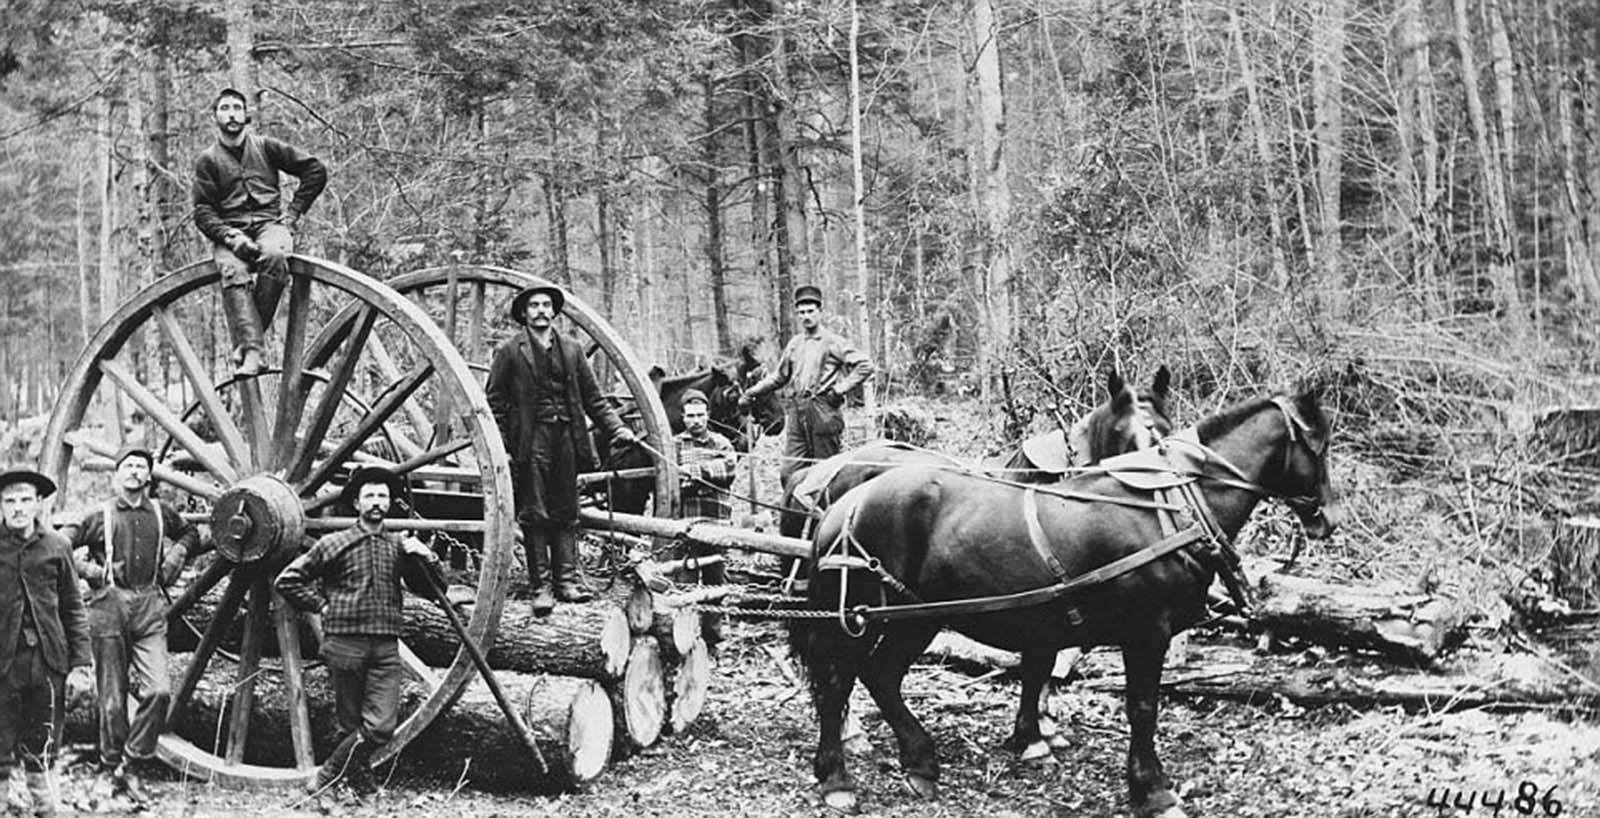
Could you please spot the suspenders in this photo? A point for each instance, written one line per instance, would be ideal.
(161, 541)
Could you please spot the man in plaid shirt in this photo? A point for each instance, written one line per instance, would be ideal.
(707, 461)
(349, 584)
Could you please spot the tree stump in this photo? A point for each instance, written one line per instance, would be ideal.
(1412, 627)
(639, 698)
(1575, 561)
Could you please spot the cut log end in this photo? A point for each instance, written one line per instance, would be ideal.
(691, 682)
(640, 698)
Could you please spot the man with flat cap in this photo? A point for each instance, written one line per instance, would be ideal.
(44, 632)
(237, 206)
(349, 583)
(541, 388)
(819, 367)
(128, 549)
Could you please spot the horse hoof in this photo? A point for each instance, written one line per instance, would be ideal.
(1036, 751)
(857, 745)
(842, 801)
(1047, 727)
(925, 788)
(1174, 811)
(1058, 742)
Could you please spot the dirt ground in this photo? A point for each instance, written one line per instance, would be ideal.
(749, 754)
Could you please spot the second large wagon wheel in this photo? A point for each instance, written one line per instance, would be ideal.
(271, 450)
(469, 302)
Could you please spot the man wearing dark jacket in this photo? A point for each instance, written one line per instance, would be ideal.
(236, 206)
(540, 388)
(350, 584)
(44, 632)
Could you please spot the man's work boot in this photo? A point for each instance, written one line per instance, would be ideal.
(124, 780)
(43, 793)
(244, 325)
(568, 569)
(339, 763)
(536, 547)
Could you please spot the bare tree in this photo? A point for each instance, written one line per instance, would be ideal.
(992, 190)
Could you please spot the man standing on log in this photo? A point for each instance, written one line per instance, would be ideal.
(235, 196)
(819, 367)
(540, 388)
(44, 632)
(349, 582)
(128, 550)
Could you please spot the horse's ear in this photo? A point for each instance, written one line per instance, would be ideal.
(1114, 384)
(1162, 383)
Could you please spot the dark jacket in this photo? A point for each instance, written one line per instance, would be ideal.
(40, 569)
(511, 379)
(239, 193)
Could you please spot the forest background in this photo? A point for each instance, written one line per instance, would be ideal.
(1397, 199)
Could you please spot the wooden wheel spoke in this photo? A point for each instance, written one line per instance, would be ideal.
(169, 421)
(209, 641)
(291, 397)
(287, 623)
(227, 431)
(255, 629)
(199, 587)
(369, 425)
(391, 372)
(402, 468)
(475, 321)
(305, 452)
(161, 472)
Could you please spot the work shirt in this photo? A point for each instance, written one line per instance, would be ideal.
(39, 600)
(352, 578)
(137, 549)
(238, 190)
(707, 457)
(811, 364)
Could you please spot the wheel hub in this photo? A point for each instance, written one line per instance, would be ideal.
(258, 516)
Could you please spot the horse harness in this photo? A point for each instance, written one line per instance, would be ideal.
(1179, 499)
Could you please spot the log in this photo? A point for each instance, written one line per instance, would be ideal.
(1575, 561)
(635, 599)
(691, 682)
(639, 698)
(1413, 627)
(971, 656)
(571, 719)
(589, 640)
(718, 537)
(677, 629)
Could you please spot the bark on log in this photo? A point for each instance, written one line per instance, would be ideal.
(1575, 561)
(636, 600)
(639, 698)
(570, 717)
(590, 640)
(1408, 626)
(971, 656)
(691, 681)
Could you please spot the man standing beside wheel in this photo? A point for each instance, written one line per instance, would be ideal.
(350, 583)
(540, 388)
(819, 366)
(44, 632)
(128, 550)
(236, 206)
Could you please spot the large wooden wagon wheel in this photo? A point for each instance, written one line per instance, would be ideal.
(272, 450)
(470, 301)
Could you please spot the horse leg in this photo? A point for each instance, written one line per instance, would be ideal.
(883, 673)
(1149, 789)
(833, 661)
(1027, 737)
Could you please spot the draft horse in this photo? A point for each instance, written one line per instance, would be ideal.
(1122, 558)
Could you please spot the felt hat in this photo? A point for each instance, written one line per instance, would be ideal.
(808, 292)
(370, 474)
(22, 474)
(134, 451)
(693, 396)
(230, 92)
(519, 302)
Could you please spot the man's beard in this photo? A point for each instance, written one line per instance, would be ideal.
(374, 514)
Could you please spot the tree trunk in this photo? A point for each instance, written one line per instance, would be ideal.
(241, 51)
(866, 292)
(788, 185)
(555, 208)
(1418, 165)
(639, 699)
(997, 302)
(716, 253)
(1327, 94)
(1408, 626)
(1575, 561)
(1263, 145)
(1582, 252)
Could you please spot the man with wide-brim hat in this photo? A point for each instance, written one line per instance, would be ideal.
(129, 549)
(44, 632)
(541, 388)
(819, 367)
(349, 585)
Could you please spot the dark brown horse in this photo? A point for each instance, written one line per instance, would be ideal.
(1034, 569)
